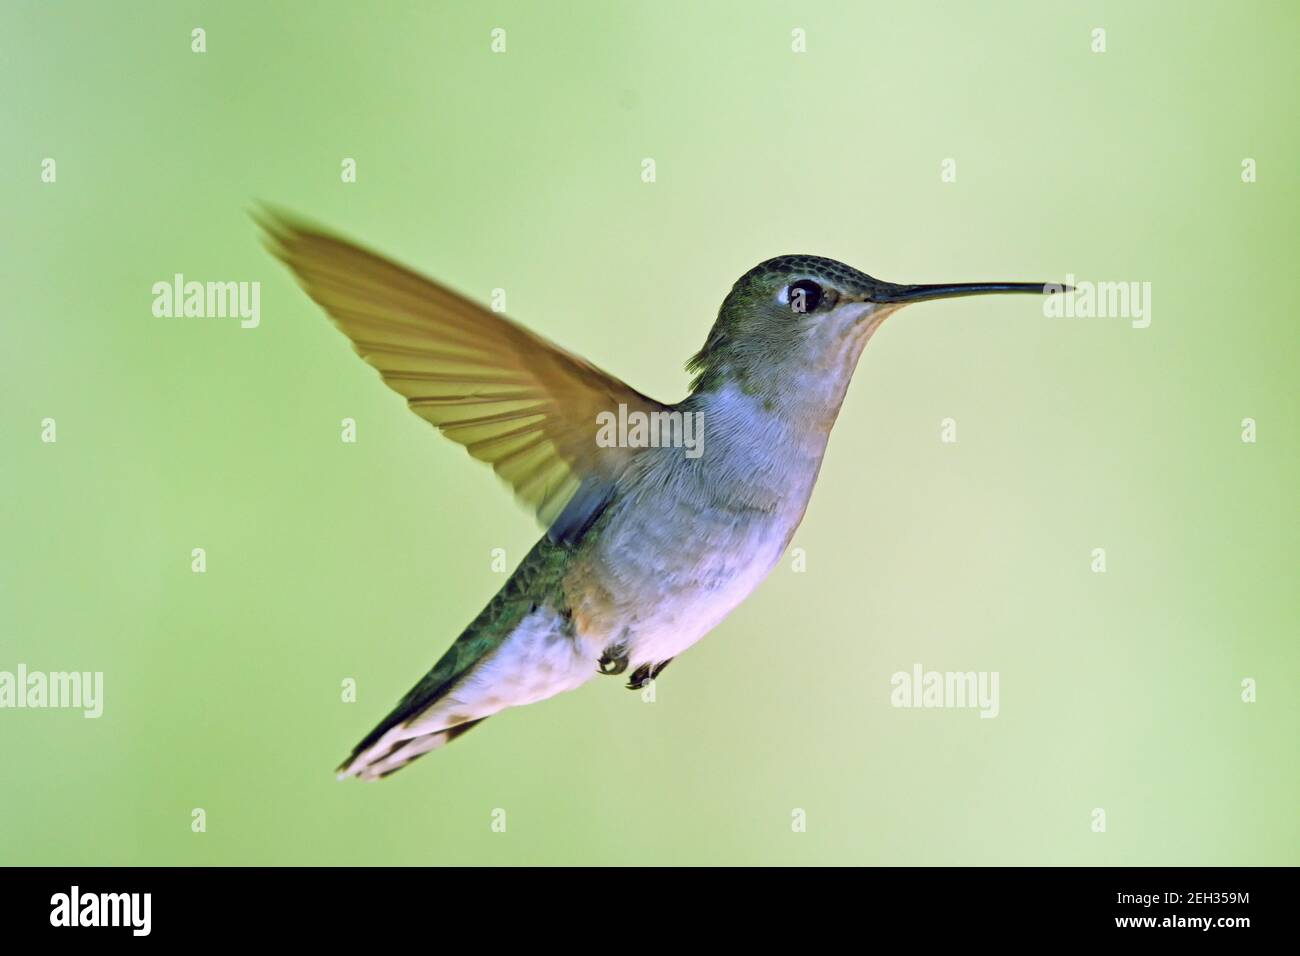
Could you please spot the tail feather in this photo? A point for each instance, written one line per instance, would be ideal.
(522, 648)
(379, 764)
(427, 718)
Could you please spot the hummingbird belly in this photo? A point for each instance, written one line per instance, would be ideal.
(687, 539)
(539, 659)
(664, 573)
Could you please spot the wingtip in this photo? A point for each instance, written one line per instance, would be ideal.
(266, 215)
(276, 228)
(280, 224)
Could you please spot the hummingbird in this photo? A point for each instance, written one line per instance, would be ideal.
(646, 548)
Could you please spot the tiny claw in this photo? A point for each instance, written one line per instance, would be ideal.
(611, 665)
(646, 673)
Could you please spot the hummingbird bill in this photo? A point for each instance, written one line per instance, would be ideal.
(647, 547)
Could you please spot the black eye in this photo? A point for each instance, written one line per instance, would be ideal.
(805, 295)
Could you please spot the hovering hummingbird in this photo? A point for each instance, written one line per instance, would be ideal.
(647, 548)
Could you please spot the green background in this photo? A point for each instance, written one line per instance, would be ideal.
(522, 170)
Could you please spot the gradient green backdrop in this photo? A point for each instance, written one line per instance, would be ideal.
(522, 170)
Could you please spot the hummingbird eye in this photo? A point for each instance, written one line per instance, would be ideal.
(804, 295)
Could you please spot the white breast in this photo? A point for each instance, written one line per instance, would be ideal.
(694, 538)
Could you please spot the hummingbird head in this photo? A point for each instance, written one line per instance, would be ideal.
(797, 324)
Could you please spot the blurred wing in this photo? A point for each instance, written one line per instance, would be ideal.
(514, 400)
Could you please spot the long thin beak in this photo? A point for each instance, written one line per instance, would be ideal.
(889, 292)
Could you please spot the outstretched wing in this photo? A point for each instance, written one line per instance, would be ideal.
(514, 400)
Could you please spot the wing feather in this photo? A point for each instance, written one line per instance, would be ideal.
(513, 399)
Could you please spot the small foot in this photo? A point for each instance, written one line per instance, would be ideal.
(613, 661)
(645, 674)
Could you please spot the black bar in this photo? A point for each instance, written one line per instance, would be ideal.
(213, 905)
